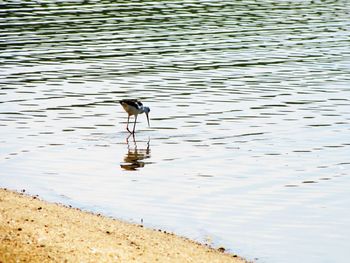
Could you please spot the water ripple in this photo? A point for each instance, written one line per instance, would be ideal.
(249, 121)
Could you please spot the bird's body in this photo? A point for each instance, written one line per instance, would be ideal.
(134, 107)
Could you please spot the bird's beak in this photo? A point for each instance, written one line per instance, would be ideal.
(147, 119)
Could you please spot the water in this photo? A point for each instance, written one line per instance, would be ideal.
(250, 118)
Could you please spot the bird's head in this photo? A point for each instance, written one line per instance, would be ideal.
(146, 111)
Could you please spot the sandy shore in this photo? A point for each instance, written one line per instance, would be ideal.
(32, 230)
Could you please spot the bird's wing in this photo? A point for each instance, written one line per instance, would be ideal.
(133, 103)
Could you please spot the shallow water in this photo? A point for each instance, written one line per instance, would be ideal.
(250, 119)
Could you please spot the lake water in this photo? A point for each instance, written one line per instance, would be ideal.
(249, 141)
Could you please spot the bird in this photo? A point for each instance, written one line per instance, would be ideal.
(134, 107)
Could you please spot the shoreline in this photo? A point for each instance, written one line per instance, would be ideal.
(33, 230)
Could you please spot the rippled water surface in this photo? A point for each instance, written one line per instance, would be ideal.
(250, 119)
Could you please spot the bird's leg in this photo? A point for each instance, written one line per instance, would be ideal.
(133, 131)
(127, 125)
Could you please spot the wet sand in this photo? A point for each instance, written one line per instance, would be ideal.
(32, 230)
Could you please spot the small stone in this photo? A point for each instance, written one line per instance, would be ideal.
(221, 249)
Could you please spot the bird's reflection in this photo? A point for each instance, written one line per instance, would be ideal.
(134, 159)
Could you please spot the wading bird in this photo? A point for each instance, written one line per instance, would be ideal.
(134, 107)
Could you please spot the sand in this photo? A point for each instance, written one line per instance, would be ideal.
(32, 230)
